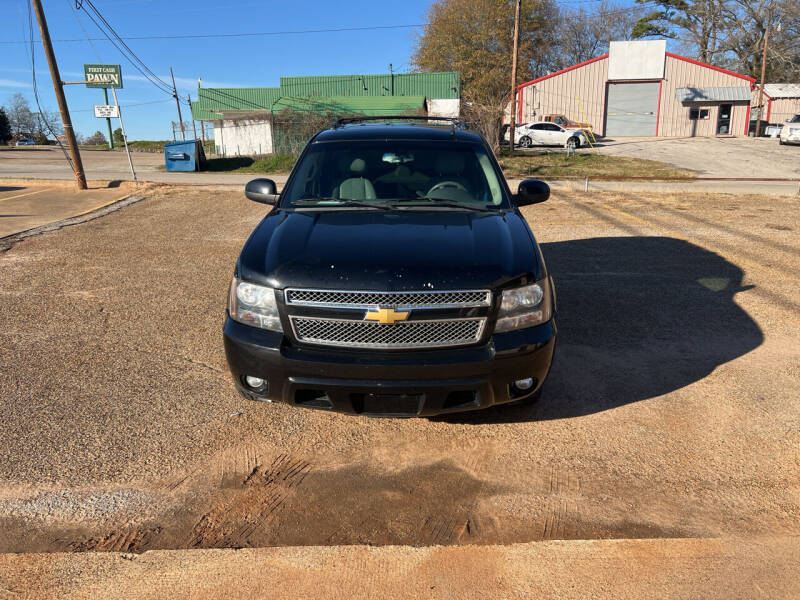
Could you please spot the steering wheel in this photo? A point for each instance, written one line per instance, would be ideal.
(447, 185)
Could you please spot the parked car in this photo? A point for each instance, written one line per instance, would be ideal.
(541, 133)
(790, 132)
(25, 142)
(565, 122)
(394, 275)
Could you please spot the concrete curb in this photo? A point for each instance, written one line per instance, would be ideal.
(7, 242)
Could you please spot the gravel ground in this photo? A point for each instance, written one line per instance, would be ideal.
(713, 157)
(671, 411)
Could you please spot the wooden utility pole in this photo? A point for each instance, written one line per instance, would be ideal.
(80, 177)
(514, 57)
(178, 102)
(189, 98)
(761, 87)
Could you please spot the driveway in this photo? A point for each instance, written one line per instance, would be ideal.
(713, 157)
(671, 412)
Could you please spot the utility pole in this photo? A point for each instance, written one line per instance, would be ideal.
(512, 121)
(178, 102)
(108, 121)
(391, 70)
(761, 87)
(189, 98)
(80, 177)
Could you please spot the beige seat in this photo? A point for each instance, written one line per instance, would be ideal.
(356, 187)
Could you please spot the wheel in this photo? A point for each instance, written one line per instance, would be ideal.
(525, 142)
(780, 142)
(573, 143)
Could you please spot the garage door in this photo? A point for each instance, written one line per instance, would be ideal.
(632, 109)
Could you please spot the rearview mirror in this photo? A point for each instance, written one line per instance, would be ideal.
(261, 190)
(531, 191)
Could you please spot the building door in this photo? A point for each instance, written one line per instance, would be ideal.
(632, 109)
(724, 119)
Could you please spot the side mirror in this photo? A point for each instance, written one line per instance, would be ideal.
(531, 191)
(261, 190)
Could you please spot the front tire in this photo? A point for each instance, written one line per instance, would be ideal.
(525, 142)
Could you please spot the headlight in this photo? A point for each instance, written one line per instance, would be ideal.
(525, 306)
(253, 305)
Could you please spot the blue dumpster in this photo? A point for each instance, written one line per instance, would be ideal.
(185, 156)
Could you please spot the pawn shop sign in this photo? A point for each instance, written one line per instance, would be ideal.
(103, 76)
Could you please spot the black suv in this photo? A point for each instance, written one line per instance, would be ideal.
(394, 276)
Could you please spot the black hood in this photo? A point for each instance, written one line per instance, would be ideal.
(390, 250)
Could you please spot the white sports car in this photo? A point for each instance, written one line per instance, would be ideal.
(543, 133)
(790, 132)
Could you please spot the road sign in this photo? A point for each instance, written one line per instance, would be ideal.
(103, 76)
(106, 111)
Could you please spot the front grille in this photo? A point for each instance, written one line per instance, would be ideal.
(429, 299)
(405, 334)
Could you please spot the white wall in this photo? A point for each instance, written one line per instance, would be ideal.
(642, 59)
(443, 107)
(243, 136)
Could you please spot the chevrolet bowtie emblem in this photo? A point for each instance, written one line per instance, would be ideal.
(386, 316)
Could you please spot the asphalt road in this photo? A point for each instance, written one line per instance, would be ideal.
(738, 159)
(671, 411)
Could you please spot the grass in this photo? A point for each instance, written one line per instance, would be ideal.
(589, 164)
(271, 163)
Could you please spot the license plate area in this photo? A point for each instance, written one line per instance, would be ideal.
(388, 404)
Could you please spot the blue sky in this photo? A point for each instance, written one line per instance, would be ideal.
(220, 62)
(243, 61)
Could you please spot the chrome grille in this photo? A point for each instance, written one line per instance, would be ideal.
(366, 299)
(405, 334)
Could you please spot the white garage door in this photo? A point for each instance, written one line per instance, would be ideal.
(631, 109)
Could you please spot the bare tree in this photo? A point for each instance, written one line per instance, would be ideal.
(698, 23)
(22, 120)
(747, 21)
(585, 34)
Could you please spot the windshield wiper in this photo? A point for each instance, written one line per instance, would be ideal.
(341, 202)
(425, 200)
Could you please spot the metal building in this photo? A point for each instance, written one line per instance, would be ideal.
(640, 89)
(245, 118)
(782, 101)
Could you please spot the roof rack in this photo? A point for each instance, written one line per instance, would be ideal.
(455, 122)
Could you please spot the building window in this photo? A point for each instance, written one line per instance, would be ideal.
(698, 114)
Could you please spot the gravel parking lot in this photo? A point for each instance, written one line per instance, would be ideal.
(714, 157)
(671, 411)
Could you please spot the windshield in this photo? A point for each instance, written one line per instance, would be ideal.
(395, 174)
(795, 119)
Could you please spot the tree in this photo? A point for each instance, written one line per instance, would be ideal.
(746, 22)
(118, 139)
(96, 139)
(20, 117)
(586, 34)
(474, 37)
(5, 128)
(698, 21)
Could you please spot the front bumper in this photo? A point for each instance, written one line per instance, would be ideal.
(418, 383)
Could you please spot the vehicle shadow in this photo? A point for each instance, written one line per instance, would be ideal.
(638, 317)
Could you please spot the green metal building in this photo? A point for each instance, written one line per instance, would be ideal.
(262, 120)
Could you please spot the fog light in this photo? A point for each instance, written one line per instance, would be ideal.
(524, 384)
(255, 383)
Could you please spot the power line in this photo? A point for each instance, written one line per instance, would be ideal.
(235, 35)
(111, 35)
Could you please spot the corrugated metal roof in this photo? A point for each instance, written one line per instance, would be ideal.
(365, 105)
(211, 100)
(431, 85)
(713, 94)
(782, 90)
